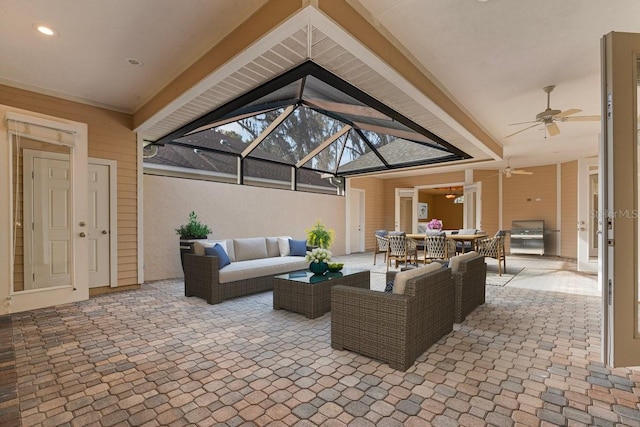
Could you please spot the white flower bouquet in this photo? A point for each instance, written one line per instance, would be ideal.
(318, 255)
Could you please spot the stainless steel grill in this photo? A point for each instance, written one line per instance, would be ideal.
(527, 237)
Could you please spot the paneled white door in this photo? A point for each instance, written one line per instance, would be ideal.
(48, 223)
(98, 226)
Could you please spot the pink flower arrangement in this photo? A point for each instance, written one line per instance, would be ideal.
(434, 224)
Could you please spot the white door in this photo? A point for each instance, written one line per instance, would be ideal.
(55, 261)
(356, 217)
(98, 226)
(47, 220)
(472, 206)
(405, 202)
(619, 198)
(47, 249)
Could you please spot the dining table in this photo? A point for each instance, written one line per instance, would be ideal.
(457, 237)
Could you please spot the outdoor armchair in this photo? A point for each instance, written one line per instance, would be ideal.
(395, 328)
(469, 272)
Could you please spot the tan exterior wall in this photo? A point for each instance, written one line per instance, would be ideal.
(110, 137)
(569, 209)
(533, 197)
(230, 211)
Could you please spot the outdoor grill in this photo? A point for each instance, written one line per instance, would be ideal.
(527, 237)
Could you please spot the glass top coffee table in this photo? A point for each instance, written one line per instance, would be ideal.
(310, 294)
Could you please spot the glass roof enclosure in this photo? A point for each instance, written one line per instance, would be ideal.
(309, 119)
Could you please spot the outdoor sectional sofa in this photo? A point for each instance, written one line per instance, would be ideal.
(253, 263)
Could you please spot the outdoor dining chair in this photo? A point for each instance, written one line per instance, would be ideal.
(401, 249)
(439, 247)
(493, 247)
(381, 245)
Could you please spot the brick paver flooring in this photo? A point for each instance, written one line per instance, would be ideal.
(154, 357)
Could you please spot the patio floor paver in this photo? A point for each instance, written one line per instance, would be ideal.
(154, 357)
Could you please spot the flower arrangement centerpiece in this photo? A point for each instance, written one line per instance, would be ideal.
(319, 235)
(434, 224)
(319, 260)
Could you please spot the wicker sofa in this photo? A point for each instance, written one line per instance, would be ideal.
(254, 262)
(469, 272)
(394, 327)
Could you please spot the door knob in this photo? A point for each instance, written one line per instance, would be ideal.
(82, 234)
(104, 231)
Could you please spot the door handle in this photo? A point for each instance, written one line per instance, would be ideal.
(83, 234)
(104, 231)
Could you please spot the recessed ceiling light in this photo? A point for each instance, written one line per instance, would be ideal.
(43, 29)
(135, 61)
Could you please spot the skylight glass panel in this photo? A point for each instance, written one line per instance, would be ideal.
(328, 159)
(357, 155)
(297, 136)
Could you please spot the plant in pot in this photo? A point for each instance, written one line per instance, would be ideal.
(193, 229)
(319, 235)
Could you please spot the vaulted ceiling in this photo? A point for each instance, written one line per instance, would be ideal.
(464, 69)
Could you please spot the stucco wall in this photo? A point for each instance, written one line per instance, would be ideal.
(230, 211)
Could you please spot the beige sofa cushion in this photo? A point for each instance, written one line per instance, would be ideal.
(261, 267)
(400, 281)
(454, 262)
(199, 246)
(250, 248)
(273, 249)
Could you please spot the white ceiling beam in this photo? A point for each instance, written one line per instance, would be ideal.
(268, 130)
(324, 145)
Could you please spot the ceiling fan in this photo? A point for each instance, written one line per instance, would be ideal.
(508, 171)
(549, 117)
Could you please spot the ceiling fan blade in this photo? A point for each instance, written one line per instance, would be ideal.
(521, 172)
(566, 113)
(522, 130)
(523, 123)
(581, 119)
(553, 129)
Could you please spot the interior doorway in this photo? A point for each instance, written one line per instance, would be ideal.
(405, 205)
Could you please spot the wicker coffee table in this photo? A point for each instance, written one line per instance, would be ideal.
(309, 294)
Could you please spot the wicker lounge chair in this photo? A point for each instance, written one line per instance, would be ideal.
(469, 272)
(395, 328)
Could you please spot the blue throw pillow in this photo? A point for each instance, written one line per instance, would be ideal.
(389, 288)
(217, 250)
(297, 247)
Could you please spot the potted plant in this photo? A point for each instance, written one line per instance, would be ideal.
(319, 236)
(319, 260)
(193, 229)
